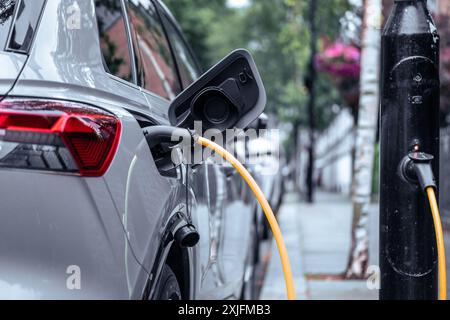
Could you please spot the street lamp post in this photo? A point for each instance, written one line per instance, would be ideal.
(310, 84)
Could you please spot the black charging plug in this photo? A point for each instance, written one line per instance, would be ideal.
(417, 168)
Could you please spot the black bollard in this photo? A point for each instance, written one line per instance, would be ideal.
(409, 123)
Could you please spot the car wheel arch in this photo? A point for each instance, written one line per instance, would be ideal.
(179, 259)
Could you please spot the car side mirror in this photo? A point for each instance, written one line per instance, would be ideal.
(230, 95)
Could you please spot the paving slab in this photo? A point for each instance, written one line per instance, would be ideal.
(274, 284)
(340, 290)
(318, 238)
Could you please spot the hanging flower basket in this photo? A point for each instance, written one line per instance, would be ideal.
(343, 63)
(340, 60)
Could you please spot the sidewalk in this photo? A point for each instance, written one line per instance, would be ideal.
(318, 240)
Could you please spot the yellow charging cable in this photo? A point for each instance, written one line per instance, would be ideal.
(279, 238)
(440, 244)
(266, 207)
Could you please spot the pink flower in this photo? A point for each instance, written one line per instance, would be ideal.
(341, 60)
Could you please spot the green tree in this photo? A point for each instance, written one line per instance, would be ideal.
(197, 18)
(277, 34)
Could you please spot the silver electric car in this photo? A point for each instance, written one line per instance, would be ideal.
(87, 210)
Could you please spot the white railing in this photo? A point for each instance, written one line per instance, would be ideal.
(334, 154)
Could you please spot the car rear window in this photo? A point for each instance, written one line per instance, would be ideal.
(156, 67)
(25, 25)
(186, 62)
(6, 16)
(114, 38)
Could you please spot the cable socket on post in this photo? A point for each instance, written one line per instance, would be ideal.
(417, 168)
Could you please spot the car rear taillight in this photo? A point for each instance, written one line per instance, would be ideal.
(57, 136)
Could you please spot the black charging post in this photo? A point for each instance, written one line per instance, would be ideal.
(409, 125)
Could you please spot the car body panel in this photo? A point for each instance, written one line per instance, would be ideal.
(132, 180)
(11, 64)
(111, 227)
(41, 239)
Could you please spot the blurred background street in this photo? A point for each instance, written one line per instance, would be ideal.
(320, 65)
(319, 243)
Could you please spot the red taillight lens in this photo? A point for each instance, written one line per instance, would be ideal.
(57, 136)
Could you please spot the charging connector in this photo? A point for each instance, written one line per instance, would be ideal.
(417, 168)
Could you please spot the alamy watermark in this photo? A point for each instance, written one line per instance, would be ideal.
(374, 278)
(73, 281)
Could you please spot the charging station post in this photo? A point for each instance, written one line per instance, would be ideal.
(409, 123)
